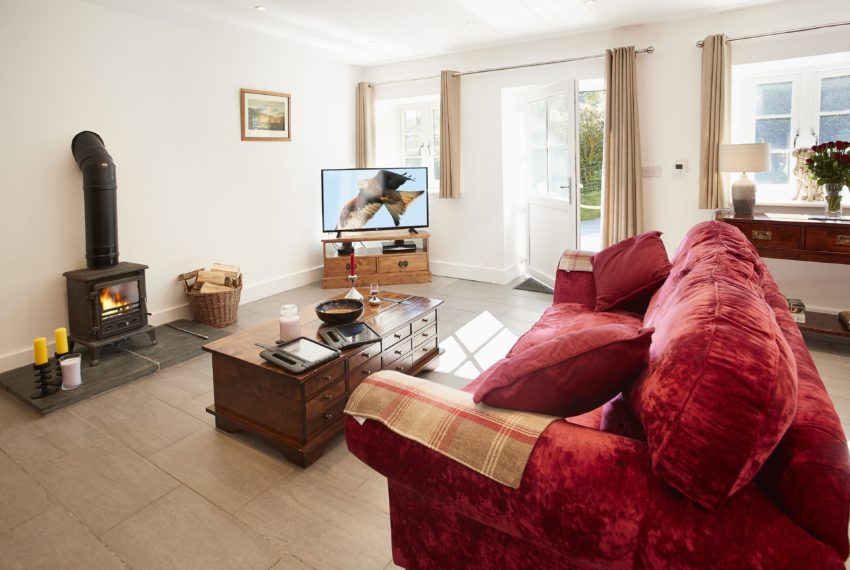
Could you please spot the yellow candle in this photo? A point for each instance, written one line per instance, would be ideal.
(39, 345)
(61, 340)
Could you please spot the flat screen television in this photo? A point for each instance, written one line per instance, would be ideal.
(358, 199)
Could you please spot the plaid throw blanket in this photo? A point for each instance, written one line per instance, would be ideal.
(494, 442)
(572, 260)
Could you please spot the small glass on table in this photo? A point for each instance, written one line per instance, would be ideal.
(374, 299)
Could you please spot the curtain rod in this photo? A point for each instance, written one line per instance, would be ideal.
(783, 32)
(650, 49)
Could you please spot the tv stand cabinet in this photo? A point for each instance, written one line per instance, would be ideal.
(371, 264)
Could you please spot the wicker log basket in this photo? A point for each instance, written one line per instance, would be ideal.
(217, 308)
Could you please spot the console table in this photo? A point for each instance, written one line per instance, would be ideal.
(300, 414)
(372, 264)
(798, 238)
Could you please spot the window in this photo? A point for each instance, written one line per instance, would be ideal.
(548, 139)
(420, 139)
(790, 104)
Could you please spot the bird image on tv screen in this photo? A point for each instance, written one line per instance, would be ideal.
(374, 198)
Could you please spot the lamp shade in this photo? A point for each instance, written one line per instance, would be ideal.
(752, 157)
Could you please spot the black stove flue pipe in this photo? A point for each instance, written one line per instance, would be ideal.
(101, 205)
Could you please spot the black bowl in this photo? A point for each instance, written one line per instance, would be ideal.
(339, 311)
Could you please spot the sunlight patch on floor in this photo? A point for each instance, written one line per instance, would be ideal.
(476, 346)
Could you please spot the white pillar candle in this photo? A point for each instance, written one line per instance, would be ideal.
(71, 373)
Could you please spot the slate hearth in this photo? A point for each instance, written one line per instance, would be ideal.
(119, 364)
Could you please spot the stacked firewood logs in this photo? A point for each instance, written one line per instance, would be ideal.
(217, 279)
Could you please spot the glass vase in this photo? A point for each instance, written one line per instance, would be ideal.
(832, 196)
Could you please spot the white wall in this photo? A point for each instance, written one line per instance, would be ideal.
(165, 99)
(471, 235)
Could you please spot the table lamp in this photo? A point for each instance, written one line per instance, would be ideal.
(743, 158)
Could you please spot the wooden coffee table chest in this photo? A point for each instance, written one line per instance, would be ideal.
(300, 414)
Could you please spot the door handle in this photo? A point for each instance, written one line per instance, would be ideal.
(569, 189)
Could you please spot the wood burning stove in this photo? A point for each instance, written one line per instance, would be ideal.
(107, 305)
(107, 302)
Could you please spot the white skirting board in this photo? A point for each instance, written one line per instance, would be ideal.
(475, 272)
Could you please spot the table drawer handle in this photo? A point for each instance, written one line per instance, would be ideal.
(842, 240)
(366, 372)
(399, 352)
(765, 235)
(397, 336)
(328, 377)
(366, 355)
(402, 264)
(328, 397)
(426, 320)
(328, 416)
(426, 335)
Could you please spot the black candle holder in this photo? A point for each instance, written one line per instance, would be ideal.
(57, 375)
(43, 385)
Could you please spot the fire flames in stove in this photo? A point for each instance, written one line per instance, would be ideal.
(112, 301)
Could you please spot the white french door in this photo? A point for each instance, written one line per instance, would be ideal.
(551, 190)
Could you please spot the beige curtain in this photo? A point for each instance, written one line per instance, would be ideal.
(365, 128)
(714, 118)
(622, 191)
(449, 135)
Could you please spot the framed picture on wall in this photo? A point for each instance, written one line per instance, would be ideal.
(266, 115)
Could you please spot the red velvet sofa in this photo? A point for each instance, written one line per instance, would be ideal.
(591, 496)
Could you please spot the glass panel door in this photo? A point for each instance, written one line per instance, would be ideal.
(550, 193)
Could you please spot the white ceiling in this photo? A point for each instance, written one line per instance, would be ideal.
(370, 32)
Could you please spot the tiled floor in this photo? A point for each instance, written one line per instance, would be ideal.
(139, 478)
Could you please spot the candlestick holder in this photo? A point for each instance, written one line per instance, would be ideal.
(57, 374)
(353, 293)
(43, 384)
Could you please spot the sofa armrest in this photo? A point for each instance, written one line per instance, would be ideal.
(575, 287)
(574, 278)
(593, 496)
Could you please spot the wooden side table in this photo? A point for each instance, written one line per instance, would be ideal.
(796, 237)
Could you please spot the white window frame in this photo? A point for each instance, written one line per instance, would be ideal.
(805, 74)
(431, 133)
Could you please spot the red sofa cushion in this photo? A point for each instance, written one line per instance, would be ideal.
(569, 374)
(720, 388)
(562, 318)
(629, 272)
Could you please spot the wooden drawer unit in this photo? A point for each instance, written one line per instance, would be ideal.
(835, 240)
(403, 263)
(402, 365)
(340, 266)
(397, 335)
(367, 352)
(358, 375)
(396, 351)
(772, 236)
(423, 350)
(424, 335)
(302, 413)
(317, 383)
(324, 417)
(424, 321)
(324, 400)
(797, 237)
(372, 265)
